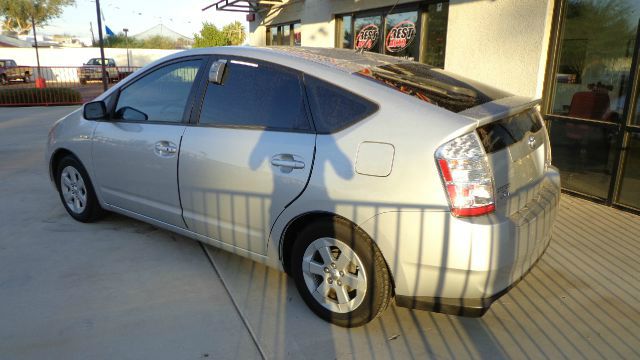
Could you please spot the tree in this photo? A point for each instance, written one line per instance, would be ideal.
(154, 42)
(16, 14)
(234, 33)
(210, 35)
(120, 41)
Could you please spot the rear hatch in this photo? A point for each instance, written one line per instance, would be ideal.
(517, 147)
(509, 127)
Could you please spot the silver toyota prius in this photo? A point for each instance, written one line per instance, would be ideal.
(367, 178)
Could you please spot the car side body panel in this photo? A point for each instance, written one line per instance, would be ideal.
(230, 188)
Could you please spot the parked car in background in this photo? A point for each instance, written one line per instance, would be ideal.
(363, 176)
(92, 70)
(10, 71)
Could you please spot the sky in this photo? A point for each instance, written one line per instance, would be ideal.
(182, 16)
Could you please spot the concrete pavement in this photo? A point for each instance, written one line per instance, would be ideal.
(117, 289)
(122, 289)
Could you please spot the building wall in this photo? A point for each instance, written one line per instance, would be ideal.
(501, 43)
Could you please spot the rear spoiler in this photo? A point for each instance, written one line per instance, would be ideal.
(499, 109)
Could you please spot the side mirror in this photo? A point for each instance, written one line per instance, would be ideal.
(217, 71)
(95, 110)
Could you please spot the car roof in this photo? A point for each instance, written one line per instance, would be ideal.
(345, 60)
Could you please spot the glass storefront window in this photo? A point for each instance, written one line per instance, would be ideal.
(289, 34)
(585, 155)
(636, 119)
(630, 185)
(297, 35)
(345, 40)
(367, 33)
(401, 37)
(594, 66)
(286, 35)
(415, 31)
(437, 19)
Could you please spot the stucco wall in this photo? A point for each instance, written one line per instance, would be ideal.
(502, 43)
(78, 56)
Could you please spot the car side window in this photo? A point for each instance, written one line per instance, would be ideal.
(161, 95)
(334, 108)
(256, 94)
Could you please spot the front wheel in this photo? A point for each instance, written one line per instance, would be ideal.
(76, 191)
(27, 78)
(3, 80)
(340, 273)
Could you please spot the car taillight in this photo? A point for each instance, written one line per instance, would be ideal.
(466, 176)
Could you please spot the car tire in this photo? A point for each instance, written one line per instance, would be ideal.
(26, 78)
(349, 291)
(76, 191)
(3, 80)
(83, 81)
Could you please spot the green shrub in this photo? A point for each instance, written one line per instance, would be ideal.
(48, 96)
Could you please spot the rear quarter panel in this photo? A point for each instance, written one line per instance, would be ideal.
(414, 128)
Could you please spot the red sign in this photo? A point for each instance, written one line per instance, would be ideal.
(367, 37)
(400, 36)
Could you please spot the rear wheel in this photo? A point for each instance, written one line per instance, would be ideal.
(76, 191)
(340, 273)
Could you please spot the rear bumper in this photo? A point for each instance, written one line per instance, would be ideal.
(461, 265)
(469, 307)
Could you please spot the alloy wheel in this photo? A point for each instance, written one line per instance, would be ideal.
(74, 190)
(334, 275)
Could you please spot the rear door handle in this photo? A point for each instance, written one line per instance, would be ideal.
(286, 162)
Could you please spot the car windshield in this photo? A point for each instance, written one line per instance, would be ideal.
(98, 62)
(435, 86)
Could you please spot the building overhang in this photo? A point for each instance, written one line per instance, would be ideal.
(246, 6)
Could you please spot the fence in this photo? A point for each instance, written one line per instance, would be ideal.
(55, 85)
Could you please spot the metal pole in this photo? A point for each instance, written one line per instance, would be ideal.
(126, 41)
(35, 42)
(102, 66)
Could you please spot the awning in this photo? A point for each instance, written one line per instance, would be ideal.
(246, 6)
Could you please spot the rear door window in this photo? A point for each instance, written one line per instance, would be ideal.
(256, 94)
(334, 108)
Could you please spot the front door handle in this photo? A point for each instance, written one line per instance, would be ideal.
(165, 148)
(287, 162)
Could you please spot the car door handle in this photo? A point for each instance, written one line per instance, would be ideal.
(286, 161)
(164, 148)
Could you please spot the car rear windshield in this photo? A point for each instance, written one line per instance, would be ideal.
(436, 86)
(500, 134)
